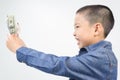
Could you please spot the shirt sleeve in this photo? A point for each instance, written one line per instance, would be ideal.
(74, 67)
(46, 62)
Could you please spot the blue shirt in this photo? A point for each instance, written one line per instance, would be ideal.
(95, 62)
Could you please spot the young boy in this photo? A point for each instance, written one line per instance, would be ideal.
(95, 61)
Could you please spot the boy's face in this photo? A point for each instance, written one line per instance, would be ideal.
(84, 32)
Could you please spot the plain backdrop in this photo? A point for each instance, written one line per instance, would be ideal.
(46, 25)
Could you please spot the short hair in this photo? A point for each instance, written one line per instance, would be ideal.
(99, 13)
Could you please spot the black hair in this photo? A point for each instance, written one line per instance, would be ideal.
(99, 13)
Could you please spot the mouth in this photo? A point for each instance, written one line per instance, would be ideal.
(78, 41)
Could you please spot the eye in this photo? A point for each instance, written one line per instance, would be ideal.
(77, 26)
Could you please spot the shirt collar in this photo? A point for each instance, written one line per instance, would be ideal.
(95, 46)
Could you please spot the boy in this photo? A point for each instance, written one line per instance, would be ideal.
(95, 61)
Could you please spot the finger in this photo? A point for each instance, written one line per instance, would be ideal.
(18, 28)
(11, 36)
(17, 34)
(14, 35)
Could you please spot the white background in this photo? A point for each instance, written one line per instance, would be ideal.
(46, 25)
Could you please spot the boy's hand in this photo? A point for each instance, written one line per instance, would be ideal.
(14, 42)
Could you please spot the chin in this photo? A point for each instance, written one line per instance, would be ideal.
(80, 46)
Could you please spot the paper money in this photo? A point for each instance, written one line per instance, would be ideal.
(11, 24)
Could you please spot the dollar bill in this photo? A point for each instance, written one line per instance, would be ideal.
(11, 24)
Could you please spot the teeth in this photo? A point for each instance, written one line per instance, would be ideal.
(77, 39)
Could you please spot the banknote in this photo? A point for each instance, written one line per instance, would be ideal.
(11, 24)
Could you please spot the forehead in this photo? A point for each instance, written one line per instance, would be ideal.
(80, 19)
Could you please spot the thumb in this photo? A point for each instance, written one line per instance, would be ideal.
(15, 35)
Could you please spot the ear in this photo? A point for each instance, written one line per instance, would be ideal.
(98, 29)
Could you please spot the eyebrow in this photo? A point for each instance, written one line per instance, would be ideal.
(76, 24)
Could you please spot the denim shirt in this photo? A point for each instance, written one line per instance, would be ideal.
(95, 62)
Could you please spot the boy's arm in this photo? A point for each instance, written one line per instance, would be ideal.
(74, 67)
(46, 62)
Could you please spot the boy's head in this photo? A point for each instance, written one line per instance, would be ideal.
(92, 24)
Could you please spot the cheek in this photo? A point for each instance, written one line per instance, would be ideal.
(84, 33)
(85, 36)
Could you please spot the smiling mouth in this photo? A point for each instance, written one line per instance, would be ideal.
(78, 41)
